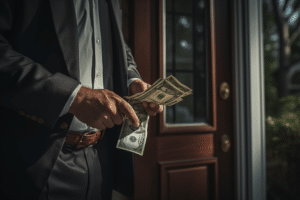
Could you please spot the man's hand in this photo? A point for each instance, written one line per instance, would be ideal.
(138, 86)
(101, 108)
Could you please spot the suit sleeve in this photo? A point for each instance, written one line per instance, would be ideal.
(132, 67)
(70, 101)
(26, 85)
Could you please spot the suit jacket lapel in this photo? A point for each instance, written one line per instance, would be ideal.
(64, 17)
(115, 6)
(121, 50)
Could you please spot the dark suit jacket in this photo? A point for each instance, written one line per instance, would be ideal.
(38, 72)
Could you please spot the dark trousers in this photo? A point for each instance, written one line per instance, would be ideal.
(80, 174)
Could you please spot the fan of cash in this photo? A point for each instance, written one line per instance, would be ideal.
(168, 91)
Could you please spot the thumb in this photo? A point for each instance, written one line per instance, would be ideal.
(138, 86)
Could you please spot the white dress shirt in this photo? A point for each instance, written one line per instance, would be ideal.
(90, 47)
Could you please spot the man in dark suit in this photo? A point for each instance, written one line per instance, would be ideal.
(64, 68)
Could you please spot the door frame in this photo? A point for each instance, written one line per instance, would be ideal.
(249, 101)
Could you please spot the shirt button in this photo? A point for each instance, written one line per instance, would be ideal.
(97, 40)
(21, 112)
(97, 74)
(33, 117)
(40, 120)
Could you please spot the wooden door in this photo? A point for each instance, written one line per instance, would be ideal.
(188, 153)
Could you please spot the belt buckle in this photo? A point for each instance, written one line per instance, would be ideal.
(80, 140)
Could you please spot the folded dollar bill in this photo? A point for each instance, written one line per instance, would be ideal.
(168, 91)
(131, 138)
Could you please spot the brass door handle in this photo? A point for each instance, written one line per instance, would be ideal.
(224, 90)
(225, 143)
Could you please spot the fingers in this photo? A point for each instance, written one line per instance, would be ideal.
(107, 121)
(138, 86)
(127, 110)
(152, 108)
(99, 125)
(160, 109)
(117, 118)
(145, 86)
(148, 109)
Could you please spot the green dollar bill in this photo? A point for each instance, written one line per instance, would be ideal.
(133, 139)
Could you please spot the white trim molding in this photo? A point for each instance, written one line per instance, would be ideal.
(250, 162)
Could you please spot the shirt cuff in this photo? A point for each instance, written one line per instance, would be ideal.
(73, 95)
(70, 101)
(131, 80)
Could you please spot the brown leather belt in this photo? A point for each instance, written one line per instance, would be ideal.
(83, 139)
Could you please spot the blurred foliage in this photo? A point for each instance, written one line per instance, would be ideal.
(282, 118)
(283, 147)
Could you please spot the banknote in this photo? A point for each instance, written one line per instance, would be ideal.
(133, 139)
(179, 85)
(174, 102)
(168, 91)
(141, 93)
(161, 94)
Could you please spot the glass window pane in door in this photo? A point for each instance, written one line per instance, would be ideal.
(186, 59)
(185, 109)
(184, 42)
(169, 5)
(184, 6)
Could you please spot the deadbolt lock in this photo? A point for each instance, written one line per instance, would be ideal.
(225, 143)
(224, 90)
